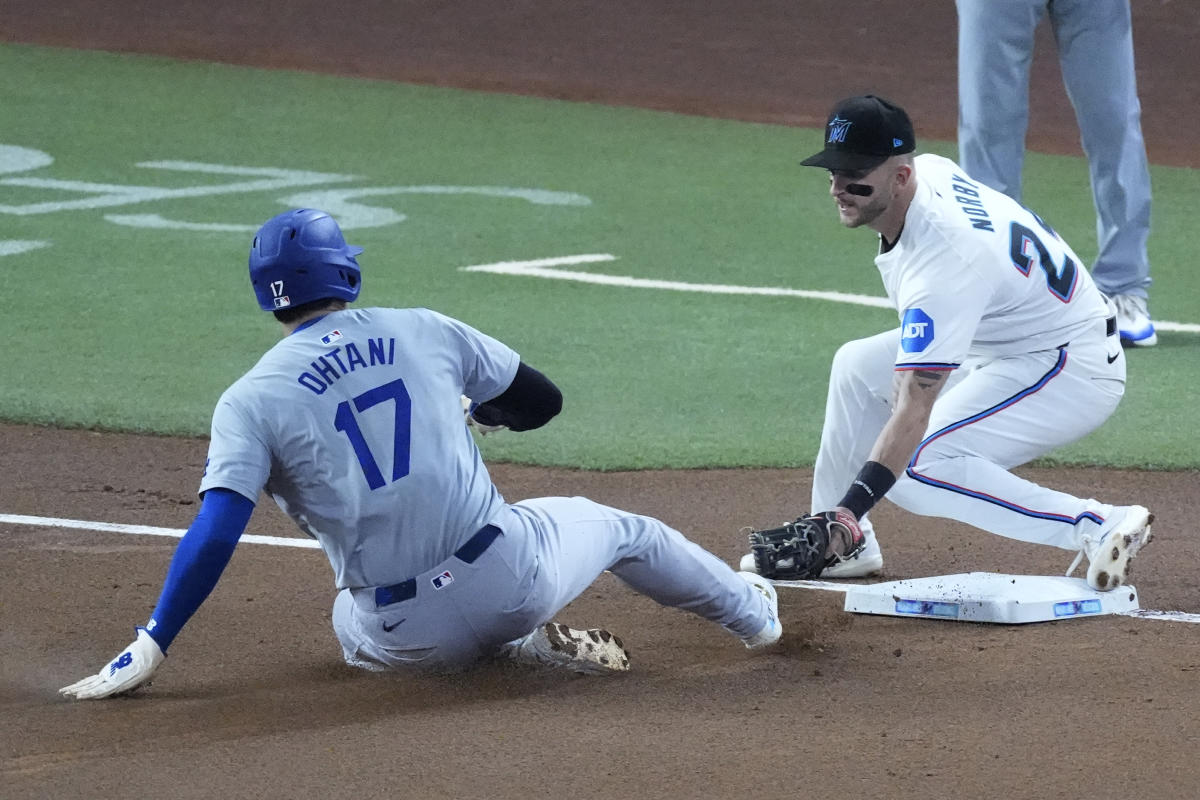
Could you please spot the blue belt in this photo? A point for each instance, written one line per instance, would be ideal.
(407, 590)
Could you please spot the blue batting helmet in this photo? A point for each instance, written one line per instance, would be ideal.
(300, 256)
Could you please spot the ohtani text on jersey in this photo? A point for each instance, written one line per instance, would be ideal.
(967, 194)
(345, 359)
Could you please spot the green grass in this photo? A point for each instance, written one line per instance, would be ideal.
(141, 329)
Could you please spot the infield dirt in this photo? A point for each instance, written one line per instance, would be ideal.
(254, 700)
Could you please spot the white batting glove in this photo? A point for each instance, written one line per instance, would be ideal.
(126, 672)
(475, 425)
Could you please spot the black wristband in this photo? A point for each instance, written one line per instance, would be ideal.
(869, 487)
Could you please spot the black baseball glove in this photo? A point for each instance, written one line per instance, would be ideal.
(800, 550)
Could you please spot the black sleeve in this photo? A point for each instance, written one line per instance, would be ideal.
(529, 402)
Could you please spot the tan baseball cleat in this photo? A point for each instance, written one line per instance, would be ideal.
(590, 652)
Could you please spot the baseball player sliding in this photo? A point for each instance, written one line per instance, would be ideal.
(353, 423)
(1005, 351)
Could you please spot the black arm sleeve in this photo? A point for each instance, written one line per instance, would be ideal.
(529, 402)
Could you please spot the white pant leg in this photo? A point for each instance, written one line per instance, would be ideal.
(577, 539)
(995, 50)
(858, 405)
(1003, 414)
(1095, 49)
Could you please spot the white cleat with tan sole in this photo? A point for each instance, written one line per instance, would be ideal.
(1109, 556)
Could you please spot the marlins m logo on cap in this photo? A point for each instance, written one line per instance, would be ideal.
(838, 128)
(863, 132)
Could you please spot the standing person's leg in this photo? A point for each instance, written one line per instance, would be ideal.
(995, 49)
(1095, 47)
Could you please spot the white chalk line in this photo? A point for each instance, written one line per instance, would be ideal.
(145, 530)
(542, 268)
(285, 541)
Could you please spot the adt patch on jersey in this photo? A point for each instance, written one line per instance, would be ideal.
(916, 331)
(441, 581)
(331, 337)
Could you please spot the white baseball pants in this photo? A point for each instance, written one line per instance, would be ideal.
(991, 417)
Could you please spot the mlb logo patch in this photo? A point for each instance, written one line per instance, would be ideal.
(916, 331)
(442, 581)
(283, 302)
(331, 337)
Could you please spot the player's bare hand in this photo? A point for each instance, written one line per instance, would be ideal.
(845, 536)
(130, 669)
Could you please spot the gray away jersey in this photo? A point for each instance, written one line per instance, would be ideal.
(354, 425)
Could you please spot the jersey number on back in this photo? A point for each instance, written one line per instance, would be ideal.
(1024, 245)
(347, 423)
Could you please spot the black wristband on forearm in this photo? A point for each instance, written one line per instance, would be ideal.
(869, 487)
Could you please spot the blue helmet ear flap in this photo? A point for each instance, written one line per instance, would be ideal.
(300, 256)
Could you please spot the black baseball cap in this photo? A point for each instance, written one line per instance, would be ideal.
(862, 133)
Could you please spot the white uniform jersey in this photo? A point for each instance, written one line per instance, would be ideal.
(975, 274)
(354, 425)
